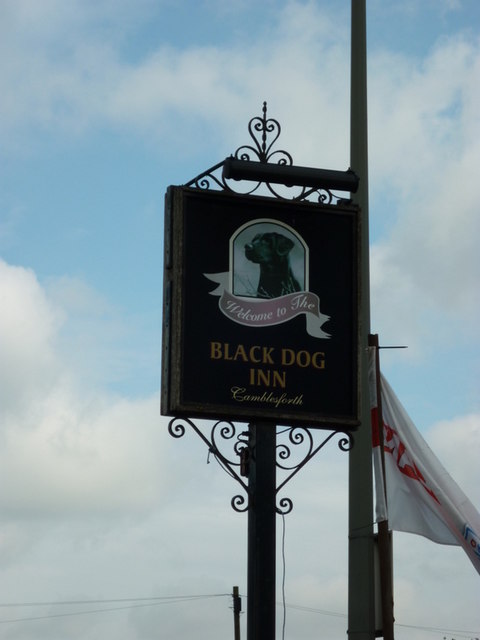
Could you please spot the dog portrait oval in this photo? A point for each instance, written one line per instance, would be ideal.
(268, 259)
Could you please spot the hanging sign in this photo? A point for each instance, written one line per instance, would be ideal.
(261, 306)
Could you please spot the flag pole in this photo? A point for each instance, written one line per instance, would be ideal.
(361, 587)
(384, 536)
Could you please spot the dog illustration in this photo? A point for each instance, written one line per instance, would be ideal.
(270, 251)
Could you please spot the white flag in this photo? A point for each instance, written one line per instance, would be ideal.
(421, 496)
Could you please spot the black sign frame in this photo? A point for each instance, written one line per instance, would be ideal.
(235, 350)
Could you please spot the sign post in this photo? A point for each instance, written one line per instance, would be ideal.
(262, 533)
(262, 297)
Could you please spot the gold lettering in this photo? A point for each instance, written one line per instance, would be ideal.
(215, 350)
(254, 358)
(274, 378)
(240, 353)
(258, 354)
(288, 357)
(318, 360)
(267, 358)
(279, 378)
(303, 359)
(263, 377)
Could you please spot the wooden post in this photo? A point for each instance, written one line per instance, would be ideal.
(384, 536)
(237, 608)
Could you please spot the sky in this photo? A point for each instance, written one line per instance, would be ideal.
(109, 527)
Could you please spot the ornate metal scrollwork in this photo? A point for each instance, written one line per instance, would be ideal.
(260, 128)
(303, 438)
(284, 506)
(264, 132)
(208, 179)
(222, 434)
(298, 447)
(239, 503)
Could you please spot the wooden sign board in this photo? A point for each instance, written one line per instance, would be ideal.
(261, 309)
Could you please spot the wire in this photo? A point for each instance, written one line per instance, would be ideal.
(223, 466)
(300, 607)
(283, 578)
(458, 632)
(158, 601)
(111, 600)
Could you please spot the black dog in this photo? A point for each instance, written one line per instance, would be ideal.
(270, 251)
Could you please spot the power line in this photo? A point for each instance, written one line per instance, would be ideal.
(112, 600)
(157, 601)
(458, 632)
(161, 600)
(300, 607)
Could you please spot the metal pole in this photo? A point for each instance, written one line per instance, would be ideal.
(384, 535)
(261, 533)
(361, 596)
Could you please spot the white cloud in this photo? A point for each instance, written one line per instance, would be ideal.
(75, 459)
(418, 110)
(91, 84)
(96, 482)
(93, 480)
(28, 324)
(65, 447)
(457, 443)
(424, 150)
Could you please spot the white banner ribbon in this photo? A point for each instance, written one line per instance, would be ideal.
(261, 312)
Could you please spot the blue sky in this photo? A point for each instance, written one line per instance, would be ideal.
(104, 104)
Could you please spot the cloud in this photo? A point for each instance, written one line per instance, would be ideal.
(90, 478)
(28, 324)
(77, 459)
(95, 481)
(419, 105)
(101, 333)
(460, 460)
(66, 448)
(418, 109)
(424, 147)
(93, 83)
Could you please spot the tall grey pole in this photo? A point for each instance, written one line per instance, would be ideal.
(361, 596)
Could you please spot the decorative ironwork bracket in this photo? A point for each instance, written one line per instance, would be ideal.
(265, 166)
(224, 433)
(270, 172)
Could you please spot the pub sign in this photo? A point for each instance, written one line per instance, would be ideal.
(261, 308)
